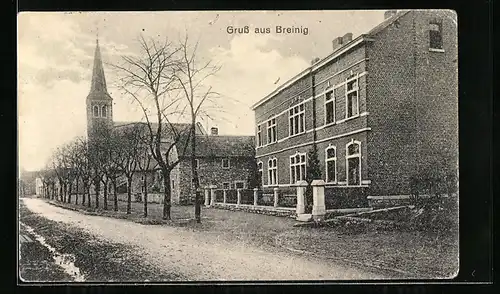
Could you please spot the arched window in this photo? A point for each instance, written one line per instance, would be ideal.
(95, 110)
(272, 169)
(104, 112)
(353, 163)
(260, 167)
(331, 164)
(297, 167)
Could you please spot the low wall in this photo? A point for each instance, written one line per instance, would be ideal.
(390, 201)
(258, 209)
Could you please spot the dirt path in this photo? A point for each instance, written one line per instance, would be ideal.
(201, 256)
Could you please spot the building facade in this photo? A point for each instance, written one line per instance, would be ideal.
(381, 109)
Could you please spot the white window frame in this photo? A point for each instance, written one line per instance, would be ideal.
(293, 112)
(242, 182)
(354, 78)
(332, 100)
(260, 168)
(439, 23)
(94, 107)
(295, 165)
(272, 132)
(104, 111)
(328, 160)
(347, 157)
(272, 172)
(259, 136)
(228, 163)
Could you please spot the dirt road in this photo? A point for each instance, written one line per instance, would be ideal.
(201, 256)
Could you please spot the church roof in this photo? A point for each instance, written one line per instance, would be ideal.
(98, 89)
(223, 146)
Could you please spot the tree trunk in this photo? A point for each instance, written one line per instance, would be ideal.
(115, 194)
(69, 192)
(76, 194)
(97, 192)
(84, 193)
(195, 183)
(129, 194)
(89, 202)
(145, 184)
(167, 196)
(106, 182)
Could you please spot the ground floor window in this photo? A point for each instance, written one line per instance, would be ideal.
(353, 163)
(272, 171)
(297, 167)
(261, 172)
(331, 164)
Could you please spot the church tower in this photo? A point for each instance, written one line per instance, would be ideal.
(99, 102)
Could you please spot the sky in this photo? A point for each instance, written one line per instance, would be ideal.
(56, 49)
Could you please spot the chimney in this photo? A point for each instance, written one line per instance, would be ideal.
(214, 131)
(347, 38)
(337, 42)
(389, 14)
(314, 60)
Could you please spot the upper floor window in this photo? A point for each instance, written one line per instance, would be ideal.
(95, 110)
(297, 167)
(225, 163)
(435, 34)
(353, 162)
(352, 97)
(329, 107)
(259, 136)
(104, 112)
(296, 116)
(271, 131)
(272, 169)
(331, 164)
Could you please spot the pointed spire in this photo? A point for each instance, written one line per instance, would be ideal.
(98, 78)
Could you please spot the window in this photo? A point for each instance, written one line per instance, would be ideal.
(435, 34)
(353, 162)
(331, 164)
(226, 186)
(297, 119)
(239, 185)
(352, 101)
(271, 131)
(259, 136)
(272, 169)
(260, 167)
(329, 107)
(173, 185)
(225, 163)
(104, 111)
(96, 111)
(297, 167)
(196, 164)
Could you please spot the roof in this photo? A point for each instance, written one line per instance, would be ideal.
(179, 127)
(223, 146)
(98, 89)
(336, 53)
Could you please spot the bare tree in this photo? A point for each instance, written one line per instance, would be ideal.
(191, 75)
(149, 79)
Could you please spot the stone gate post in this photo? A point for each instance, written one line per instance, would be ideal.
(318, 210)
(255, 196)
(301, 194)
(212, 195)
(238, 202)
(276, 196)
(206, 196)
(224, 196)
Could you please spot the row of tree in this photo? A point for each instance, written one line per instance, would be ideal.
(168, 82)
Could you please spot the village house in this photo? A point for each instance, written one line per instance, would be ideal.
(381, 109)
(224, 161)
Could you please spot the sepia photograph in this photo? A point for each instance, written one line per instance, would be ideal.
(237, 146)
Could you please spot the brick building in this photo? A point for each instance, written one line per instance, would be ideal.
(221, 160)
(381, 108)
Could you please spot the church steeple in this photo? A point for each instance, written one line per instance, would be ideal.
(99, 102)
(98, 78)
